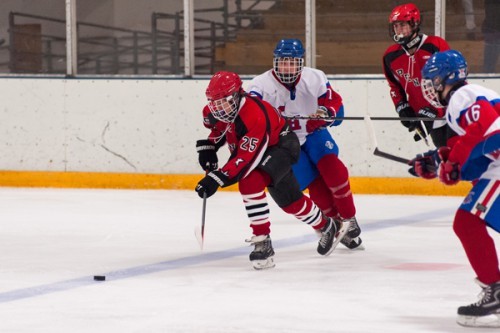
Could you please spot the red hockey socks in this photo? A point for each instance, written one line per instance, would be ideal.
(254, 198)
(336, 177)
(478, 245)
(322, 197)
(306, 211)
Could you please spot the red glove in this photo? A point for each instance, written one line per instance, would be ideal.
(449, 172)
(314, 124)
(425, 165)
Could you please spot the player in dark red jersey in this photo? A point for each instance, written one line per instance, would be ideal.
(403, 63)
(263, 149)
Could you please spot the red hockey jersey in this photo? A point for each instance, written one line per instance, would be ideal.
(404, 71)
(256, 128)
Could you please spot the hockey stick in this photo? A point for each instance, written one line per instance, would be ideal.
(391, 157)
(425, 134)
(200, 232)
(363, 118)
(376, 151)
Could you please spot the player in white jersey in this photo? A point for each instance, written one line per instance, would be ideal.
(296, 90)
(473, 113)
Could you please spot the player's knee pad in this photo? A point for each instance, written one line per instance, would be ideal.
(286, 191)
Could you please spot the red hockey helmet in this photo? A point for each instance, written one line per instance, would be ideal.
(405, 13)
(224, 94)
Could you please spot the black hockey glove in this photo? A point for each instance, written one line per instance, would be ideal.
(427, 112)
(404, 110)
(207, 155)
(424, 112)
(425, 165)
(211, 183)
(419, 132)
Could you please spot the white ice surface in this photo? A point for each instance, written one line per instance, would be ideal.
(411, 278)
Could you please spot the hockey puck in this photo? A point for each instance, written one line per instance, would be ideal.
(99, 278)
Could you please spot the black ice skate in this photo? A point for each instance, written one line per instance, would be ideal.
(262, 257)
(352, 240)
(331, 234)
(485, 312)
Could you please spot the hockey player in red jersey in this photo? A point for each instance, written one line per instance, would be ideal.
(263, 148)
(473, 113)
(297, 90)
(403, 63)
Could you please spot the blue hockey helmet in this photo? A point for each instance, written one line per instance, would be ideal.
(288, 60)
(442, 69)
(291, 48)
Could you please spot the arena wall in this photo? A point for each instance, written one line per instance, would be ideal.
(141, 133)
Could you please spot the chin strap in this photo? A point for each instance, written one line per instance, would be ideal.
(413, 42)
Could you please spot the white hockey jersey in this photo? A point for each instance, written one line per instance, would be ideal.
(310, 91)
(474, 114)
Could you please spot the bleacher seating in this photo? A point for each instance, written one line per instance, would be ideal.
(352, 35)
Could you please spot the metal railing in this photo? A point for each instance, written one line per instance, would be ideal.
(168, 45)
(160, 49)
(114, 50)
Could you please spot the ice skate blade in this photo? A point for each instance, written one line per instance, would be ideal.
(338, 237)
(263, 264)
(355, 244)
(360, 247)
(492, 320)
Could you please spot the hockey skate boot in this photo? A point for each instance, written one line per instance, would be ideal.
(331, 234)
(485, 312)
(352, 240)
(262, 257)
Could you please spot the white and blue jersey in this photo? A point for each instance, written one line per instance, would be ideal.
(312, 89)
(474, 114)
